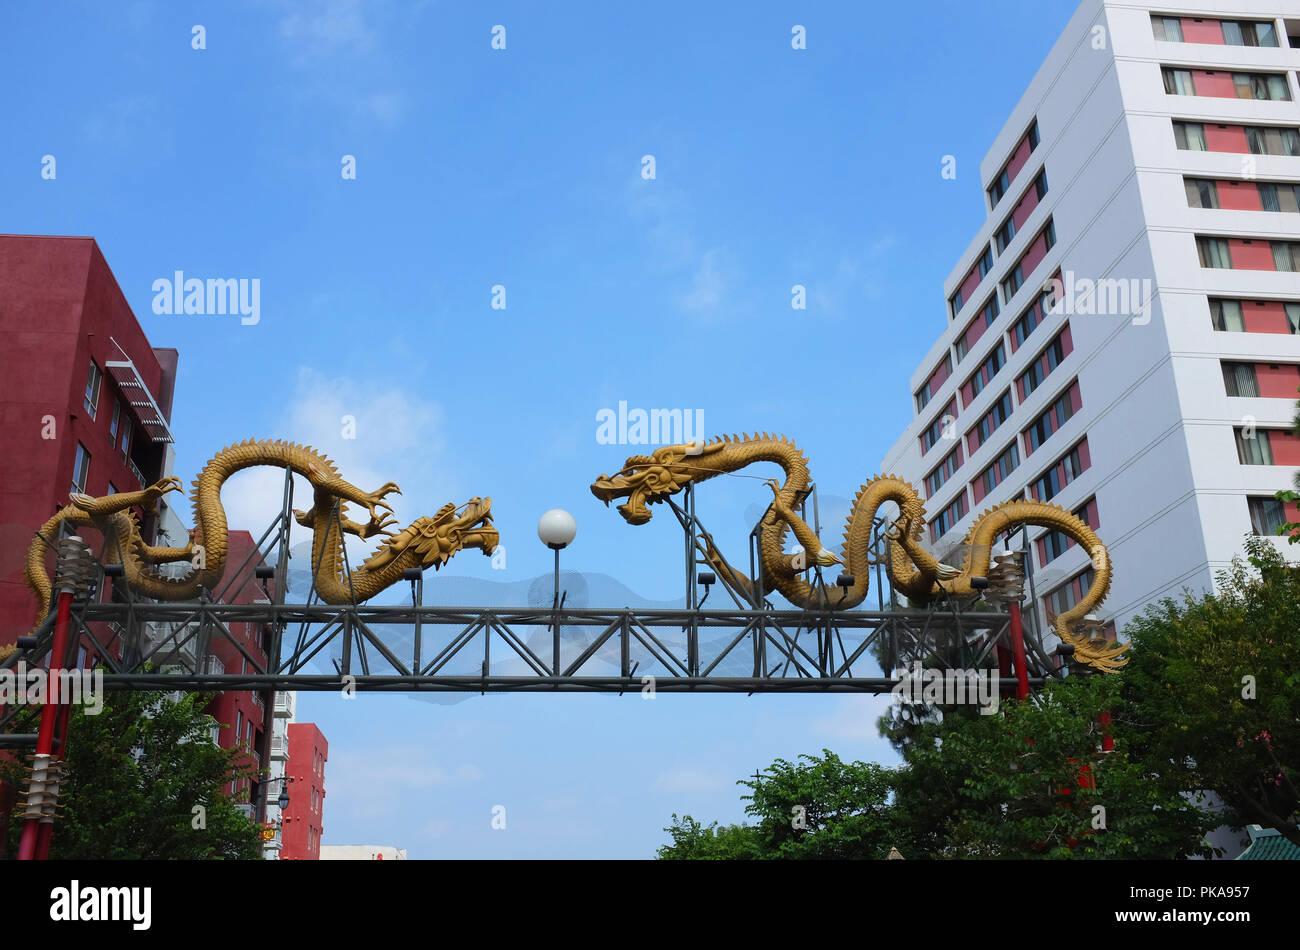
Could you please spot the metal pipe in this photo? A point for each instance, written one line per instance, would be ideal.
(1018, 651)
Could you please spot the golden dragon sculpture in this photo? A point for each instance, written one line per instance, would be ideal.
(426, 542)
(648, 479)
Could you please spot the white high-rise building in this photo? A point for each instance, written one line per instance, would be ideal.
(1153, 167)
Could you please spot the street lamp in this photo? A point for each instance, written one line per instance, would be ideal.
(557, 529)
(283, 800)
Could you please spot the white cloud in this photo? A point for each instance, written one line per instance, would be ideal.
(709, 287)
(690, 780)
(324, 28)
(854, 718)
(370, 782)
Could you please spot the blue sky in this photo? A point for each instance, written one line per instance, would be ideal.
(522, 167)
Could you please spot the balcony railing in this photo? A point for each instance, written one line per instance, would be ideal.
(285, 704)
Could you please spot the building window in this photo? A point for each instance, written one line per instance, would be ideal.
(1190, 136)
(1248, 33)
(1267, 140)
(117, 418)
(1274, 197)
(1286, 255)
(1061, 473)
(1267, 515)
(1056, 415)
(948, 518)
(987, 316)
(941, 427)
(1042, 367)
(1213, 252)
(1239, 379)
(80, 469)
(996, 473)
(989, 423)
(91, 401)
(1028, 142)
(1178, 82)
(1253, 447)
(1226, 315)
(1261, 86)
(985, 262)
(1201, 192)
(126, 439)
(988, 369)
(1167, 28)
(1070, 593)
(1006, 234)
(937, 379)
(941, 473)
(239, 725)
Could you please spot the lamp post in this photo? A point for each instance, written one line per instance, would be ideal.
(557, 529)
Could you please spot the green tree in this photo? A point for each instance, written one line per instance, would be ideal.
(1214, 688)
(694, 842)
(135, 775)
(821, 808)
(1027, 783)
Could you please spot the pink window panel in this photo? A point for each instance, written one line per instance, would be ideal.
(977, 489)
(975, 330)
(1037, 251)
(1239, 196)
(973, 441)
(1226, 138)
(1067, 342)
(1213, 83)
(1265, 316)
(1020, 214)
(1041, 544)
(967, 394)
(939, 376)
(1202, 31)
(1292, 511)
(969, 283)
(1286, 447)
(1277, 381)
(1018, 158)
(1076, 401)
(1090, 515)
(1085, 459)
(1250, 255)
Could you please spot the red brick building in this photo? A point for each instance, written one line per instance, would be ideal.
(85, 405)
(85, 400)
(303, 823)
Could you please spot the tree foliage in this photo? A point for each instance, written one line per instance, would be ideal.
(135, 775)
(1032, 783)
(815, 808)
(1214, 688)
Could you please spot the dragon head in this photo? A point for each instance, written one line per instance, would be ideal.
(431, 542)
(647, 479)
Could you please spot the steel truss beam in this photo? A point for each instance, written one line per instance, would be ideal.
(701, 650)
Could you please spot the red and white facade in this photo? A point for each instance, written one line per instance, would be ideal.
(1153, 168)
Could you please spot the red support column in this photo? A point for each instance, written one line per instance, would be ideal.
(32, 832)
(1018, 651)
